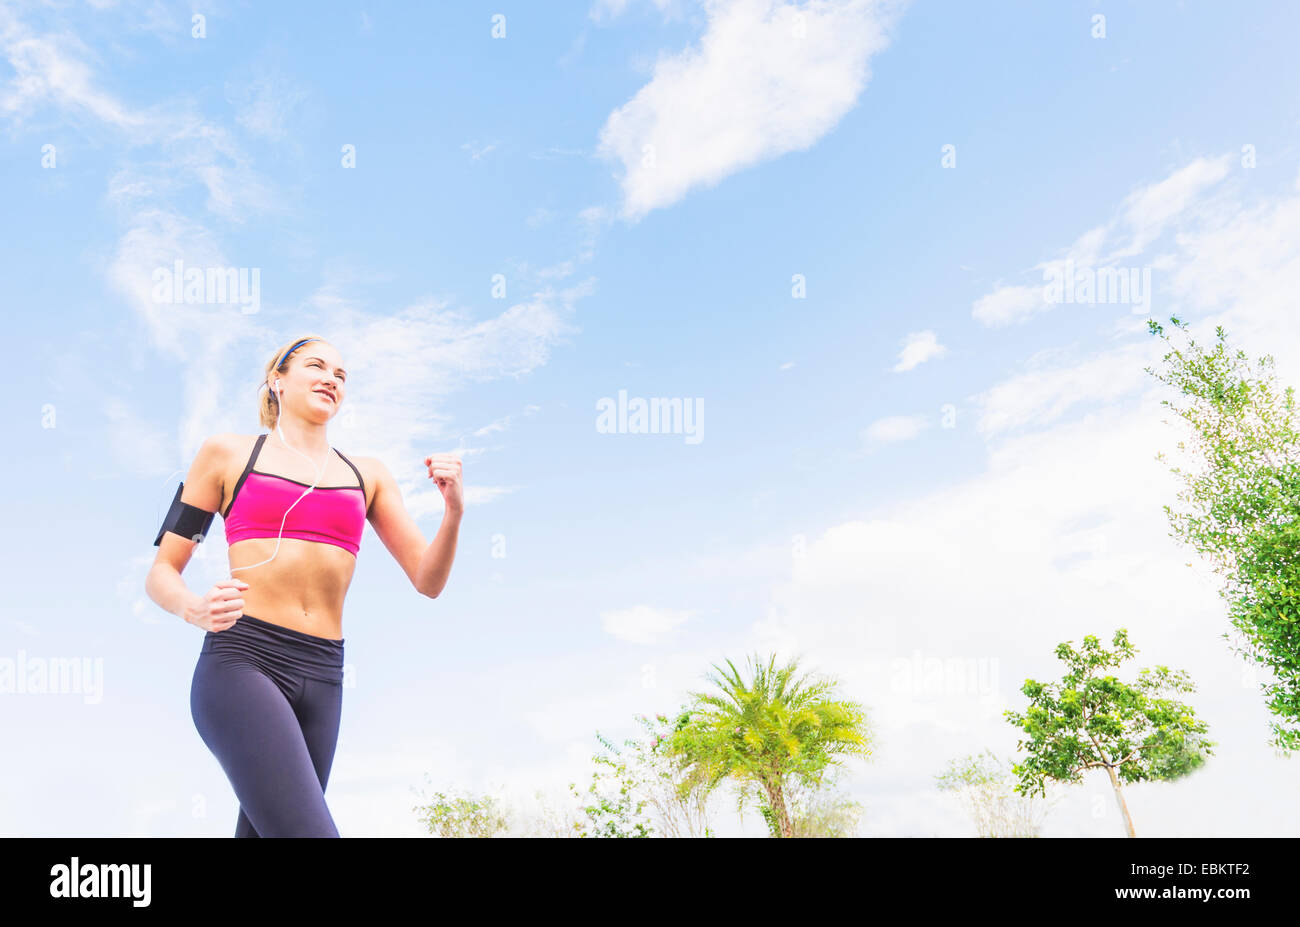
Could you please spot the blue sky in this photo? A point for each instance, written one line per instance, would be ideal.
(906, 453)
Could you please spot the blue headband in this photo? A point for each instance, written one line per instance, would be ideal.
(292, 349)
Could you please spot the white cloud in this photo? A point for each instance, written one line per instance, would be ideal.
(919, 347)
(499, 425)
(405, 363)
(1149, 211)
(605, 10)
(767, 78)
(1143, 217)
(556, 271)
(53, 70)
(642, 624)
(1046, 391)
(895, 428)
(49, 69)
(1009, 304)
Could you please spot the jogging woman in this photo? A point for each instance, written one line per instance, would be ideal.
(268, 686)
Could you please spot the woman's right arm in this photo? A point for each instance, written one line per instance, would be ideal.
(204, 488)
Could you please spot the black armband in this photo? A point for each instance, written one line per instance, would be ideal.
(189, 521)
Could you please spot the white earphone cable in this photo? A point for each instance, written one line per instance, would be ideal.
(319, 473)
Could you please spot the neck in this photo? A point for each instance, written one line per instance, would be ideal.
(308, 437)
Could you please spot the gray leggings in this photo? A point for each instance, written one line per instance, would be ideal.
(266, 700)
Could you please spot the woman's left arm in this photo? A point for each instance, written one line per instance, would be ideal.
(426, 564)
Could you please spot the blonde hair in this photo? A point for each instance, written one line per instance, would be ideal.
(266, 407)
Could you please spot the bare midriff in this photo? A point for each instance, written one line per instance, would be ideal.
(302, 588)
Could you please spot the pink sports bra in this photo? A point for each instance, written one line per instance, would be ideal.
(327, 514)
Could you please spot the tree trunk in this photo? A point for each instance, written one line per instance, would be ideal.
(776, 801)
(1119, 796)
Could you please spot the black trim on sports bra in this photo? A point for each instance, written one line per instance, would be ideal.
(276, 476)
(358, 473)
(257, 446)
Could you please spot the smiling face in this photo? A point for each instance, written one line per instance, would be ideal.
(313, 386)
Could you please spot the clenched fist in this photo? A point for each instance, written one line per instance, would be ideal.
(445, 470)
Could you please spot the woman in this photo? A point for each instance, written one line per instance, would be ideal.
(268, 686)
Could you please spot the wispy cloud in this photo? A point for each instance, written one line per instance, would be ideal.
(1054, 384)
(51, 70)
(1141, 219)
(405, 364)
(265, 102)
(476, 151)
(1148, 211)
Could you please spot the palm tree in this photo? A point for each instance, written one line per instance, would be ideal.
(769, 731)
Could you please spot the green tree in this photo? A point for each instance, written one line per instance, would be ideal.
(678, 797)
(464, 815)
(985, 785)
(773, 731)
(1242, 502)
(615, 812)
(1089, 720)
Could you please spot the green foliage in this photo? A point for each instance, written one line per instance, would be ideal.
(678, 797)
(1242, 503)
(971, 771)
(462, 815)
(616, 813)
(986, 787)
(772, 731)
(1090, 720)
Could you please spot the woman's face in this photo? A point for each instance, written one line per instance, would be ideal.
(314, 385)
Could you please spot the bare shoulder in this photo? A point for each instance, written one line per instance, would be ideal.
(216, 449)
(226, 447)
(232, 441)
(205, 482)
